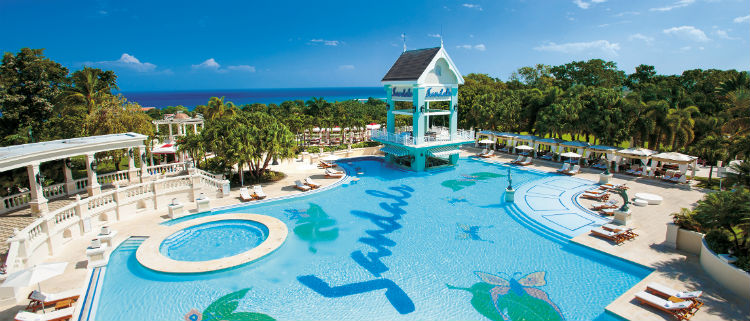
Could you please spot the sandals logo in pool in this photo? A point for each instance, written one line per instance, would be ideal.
(224, 309)
(313, 225)
(469, 180)
(498, 298)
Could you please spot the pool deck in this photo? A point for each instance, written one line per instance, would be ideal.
(673, 268)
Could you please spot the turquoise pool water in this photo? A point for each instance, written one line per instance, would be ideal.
(213, 240)
(393, 245)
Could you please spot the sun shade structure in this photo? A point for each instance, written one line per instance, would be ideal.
(421, 77)
(443, 151)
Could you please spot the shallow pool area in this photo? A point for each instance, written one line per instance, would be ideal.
(393, 245)
(213, 240)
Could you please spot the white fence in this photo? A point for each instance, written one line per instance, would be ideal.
(441, 134)
(46, 234)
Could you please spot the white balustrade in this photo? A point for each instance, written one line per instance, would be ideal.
(81, 185)
(15, 201)
(65, 213)
(112, 178)
(54, 191)
(171, 168)
(405, 138)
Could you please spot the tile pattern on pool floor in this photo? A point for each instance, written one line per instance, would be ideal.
(552, 202)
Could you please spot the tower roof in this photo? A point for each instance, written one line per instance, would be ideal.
(411, 64)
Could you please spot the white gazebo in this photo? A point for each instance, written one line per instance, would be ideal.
(641, 154)
(32, 155)
(181, 121)
(681, 160)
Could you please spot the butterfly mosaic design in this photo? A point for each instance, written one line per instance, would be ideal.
(296, 214)
(514, 297)
(467, 180)
(225, 308)
(470, 232)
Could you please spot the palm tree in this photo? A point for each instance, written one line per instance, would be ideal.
(680, 124)
(217, 108)
(740, 106)
(656, 113)
(89, 85)
(711, 149)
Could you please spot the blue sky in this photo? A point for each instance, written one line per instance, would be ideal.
(183, 45)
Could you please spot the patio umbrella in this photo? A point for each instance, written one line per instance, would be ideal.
(524, 147)
(570, 155)
(35, 274)
(486, 141)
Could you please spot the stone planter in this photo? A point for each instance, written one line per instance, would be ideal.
(729, 276)
(604, 178)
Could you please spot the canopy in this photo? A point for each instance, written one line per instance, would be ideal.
(602, 148)
(506, 135)
(640, 153)
(394, 150)
(373, 126)
(575, 144)
(337, 129)
(526, 138)
(570, 155)
(524, 147)
(486, 141)
(549, 141)
(168, 148)
(443, 151)
(673, 157)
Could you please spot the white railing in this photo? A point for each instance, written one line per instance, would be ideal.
(54, 191)
(171, 168)
(50, 228)
(81, 185)
(204, 173)
(112, 178)
(405, 138)
(15, 201)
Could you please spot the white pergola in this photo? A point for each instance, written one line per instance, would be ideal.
(182, 121)
(32, 155)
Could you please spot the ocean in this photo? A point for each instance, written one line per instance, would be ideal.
(190, 99)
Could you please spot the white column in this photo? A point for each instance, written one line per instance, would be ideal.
(144, 167)
(38, 201)
(93, 188)
(70, 184)
(195, 128)
(170, 130)
(132, 171)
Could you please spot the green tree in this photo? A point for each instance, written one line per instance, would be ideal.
(728, 211)
(89, 85)
(217, 108)
(712, 149)
(680, 124)
(29, 85)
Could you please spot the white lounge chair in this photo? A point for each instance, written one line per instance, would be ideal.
(258, 192)
(489, 154)
(333, 173)
(617, 237)
(518, 160)
(527, 161)
(575, 170)
(300, 186)
(682, 310)
(245, 195)
(665, 291)
(482, 153)
(57, 315)
(309, 182)
(564, 168)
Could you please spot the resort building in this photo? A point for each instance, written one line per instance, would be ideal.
(182, 122)
(418, 79)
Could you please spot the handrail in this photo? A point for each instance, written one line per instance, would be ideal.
(167, 168)
(54, 191)
(14, 201)
(112, 178)
(406, 138)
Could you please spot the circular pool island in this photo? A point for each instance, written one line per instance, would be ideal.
(212, 243)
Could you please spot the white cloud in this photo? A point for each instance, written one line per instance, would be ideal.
(742, 19)
(326, 42)
(479, 47)
(602, 46)
(212, 64)
(641, 37)
(245, 68)
(472, 6)
(585, 5)
(346, 67)
(688, 32)
(433, 35)
(626, 13)
(208, 64)
(677, 4)
(127, 61)
(723, 34)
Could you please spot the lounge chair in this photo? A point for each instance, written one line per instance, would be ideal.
(311, 183)
(489, 154)
(302, 187)
(604, 205)
(610, 186)
(258, 192)
(596, 191)
(245, 195)
(40, 300)
(333, 173)
(324, 164)
(607, 211)
(518, 160)
(564, 168)
(666, 292)
(57, 315)
(526, 162)
(681, 309)
(596, 197)
(617, 237)
(575, 170)
(482, 153)
(628, 231)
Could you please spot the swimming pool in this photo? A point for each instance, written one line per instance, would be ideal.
(213, 240)
(393, 245)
